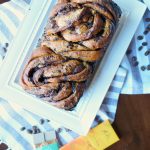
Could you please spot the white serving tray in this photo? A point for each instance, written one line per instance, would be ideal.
(147, 2)
(81, 118)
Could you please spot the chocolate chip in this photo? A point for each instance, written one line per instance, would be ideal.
(38, 131)
(129, 51)
(147, 53)
(143, 68)
(134, 58)
(135, 64)
(78, 69)
(140, 48)
(140, 37)
(6, 44)
(145, 32)
(47, 120)
(148, 67)
(144, 43)
(23, 128)
(5, 49)
(29, 131)
(147, 19)
(42, 121)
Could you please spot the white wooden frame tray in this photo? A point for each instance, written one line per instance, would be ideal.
(81, 118)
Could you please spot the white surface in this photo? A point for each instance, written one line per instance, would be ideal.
(147, 2)
(82, 117)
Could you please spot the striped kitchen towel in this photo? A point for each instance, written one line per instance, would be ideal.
(11, 15)
(13, 117)
(137, 60)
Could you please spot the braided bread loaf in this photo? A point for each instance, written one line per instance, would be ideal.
(76, 36)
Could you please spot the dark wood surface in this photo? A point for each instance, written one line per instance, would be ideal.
(2, 1)
(132, 123)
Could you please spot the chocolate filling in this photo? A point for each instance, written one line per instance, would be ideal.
(31, 73)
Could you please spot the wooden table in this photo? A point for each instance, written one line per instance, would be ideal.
(2, 1)
(132, 123)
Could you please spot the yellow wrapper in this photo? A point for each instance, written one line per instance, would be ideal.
(98, 138)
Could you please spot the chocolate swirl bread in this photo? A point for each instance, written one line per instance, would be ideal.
(82, 29)
(76, 36)
(55, 79)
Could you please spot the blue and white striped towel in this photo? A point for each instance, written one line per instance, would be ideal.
(13, 117)
(138, 81)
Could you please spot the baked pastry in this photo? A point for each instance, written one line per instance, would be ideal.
(82, 29)
(54, 79)
(76, 36)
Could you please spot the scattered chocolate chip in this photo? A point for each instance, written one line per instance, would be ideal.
(145, 32)
(42, 121)
(38, 131)
(5, 49)
(147, 19)
(143, 68)
(29, 131)
(23, 128)
(135, 64)
(129, 51)
(134, 58)
(147, 53)
(47, 120)
(140, 37)
(148, 67)
(6, 44)
(144, 43)
(140, 48)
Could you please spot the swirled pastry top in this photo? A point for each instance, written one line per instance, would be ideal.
(55, 79)
(82, 29)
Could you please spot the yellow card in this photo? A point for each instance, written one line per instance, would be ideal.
(98, 138)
